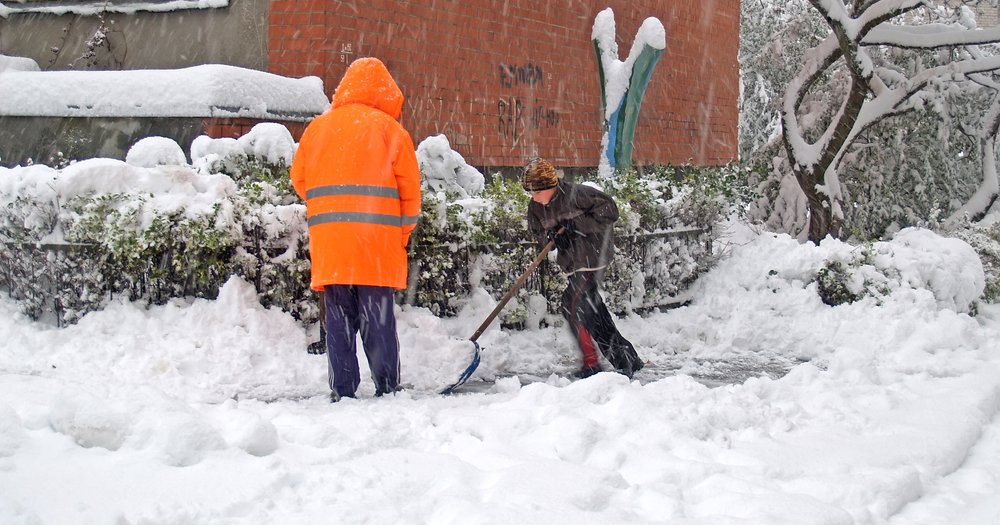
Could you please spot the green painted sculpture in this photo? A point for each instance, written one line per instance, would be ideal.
(623, 84)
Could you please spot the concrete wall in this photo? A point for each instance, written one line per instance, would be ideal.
(54, 141)
(234, 35)
(460, 64)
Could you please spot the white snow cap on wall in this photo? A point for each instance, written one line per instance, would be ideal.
(8, 63)
(211, 90)
(61, 7)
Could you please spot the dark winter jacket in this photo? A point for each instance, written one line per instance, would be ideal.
(593, 214)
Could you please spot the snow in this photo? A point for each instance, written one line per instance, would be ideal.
(444, 169)
(8, 63)
(95, 7)
(269, 141)
(149, 152)
(211, 411)
(203, 411)
(163, 188)
(211, 90)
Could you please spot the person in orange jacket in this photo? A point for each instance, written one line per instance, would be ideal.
(357, 171)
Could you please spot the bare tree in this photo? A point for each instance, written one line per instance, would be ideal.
(861, 33)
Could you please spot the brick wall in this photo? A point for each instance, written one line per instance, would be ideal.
(237, 127)
(507, 80)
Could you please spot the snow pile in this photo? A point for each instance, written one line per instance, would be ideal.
(444, 169)
(208, 154)
(217, 412)
(949, 268)
(917, 266)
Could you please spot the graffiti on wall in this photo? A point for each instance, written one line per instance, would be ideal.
(514, 117)
(528, 75)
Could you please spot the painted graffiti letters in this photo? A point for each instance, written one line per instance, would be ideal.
(513, 119)
(528, 75)
(509, 117)
(543, 117)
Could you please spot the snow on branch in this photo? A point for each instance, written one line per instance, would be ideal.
(929, 36)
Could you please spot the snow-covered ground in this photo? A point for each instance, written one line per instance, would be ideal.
(208, 412)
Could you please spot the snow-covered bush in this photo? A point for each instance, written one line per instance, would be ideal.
(985, 239)
(663, 239)
(150, 152)
(444, 169)
(258, 161)
(665, 234)
(915, 259)
(75, 237)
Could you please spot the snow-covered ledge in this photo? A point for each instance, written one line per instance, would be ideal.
(93, 7)
(212, 90)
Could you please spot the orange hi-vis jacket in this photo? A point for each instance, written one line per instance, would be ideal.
(357, 171)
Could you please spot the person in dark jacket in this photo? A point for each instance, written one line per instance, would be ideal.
(579, 219)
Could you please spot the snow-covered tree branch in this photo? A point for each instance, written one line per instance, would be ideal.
(871, 54)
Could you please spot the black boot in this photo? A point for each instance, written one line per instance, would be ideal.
(587, 371)
(379, 392)
(318, 347)
(630, 368)
(334, 396)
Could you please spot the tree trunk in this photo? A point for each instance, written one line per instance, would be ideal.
(821, 220)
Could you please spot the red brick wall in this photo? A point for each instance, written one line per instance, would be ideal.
(237, 127)
(448, 60)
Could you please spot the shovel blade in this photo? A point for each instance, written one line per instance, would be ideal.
(467, 373)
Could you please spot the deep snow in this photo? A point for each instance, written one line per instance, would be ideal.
(202, 411)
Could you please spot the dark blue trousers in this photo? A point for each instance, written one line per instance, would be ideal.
(351, 309)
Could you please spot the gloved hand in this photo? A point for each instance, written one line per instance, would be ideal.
(563, 234)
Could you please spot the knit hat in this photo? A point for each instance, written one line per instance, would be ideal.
(539, 175)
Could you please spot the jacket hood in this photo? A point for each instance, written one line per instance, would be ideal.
(368, 82)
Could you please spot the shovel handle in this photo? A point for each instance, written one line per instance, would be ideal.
(513, 290)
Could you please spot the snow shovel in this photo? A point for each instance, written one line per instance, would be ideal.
(493, 315)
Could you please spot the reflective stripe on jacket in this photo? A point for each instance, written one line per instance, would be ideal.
(357, 171)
